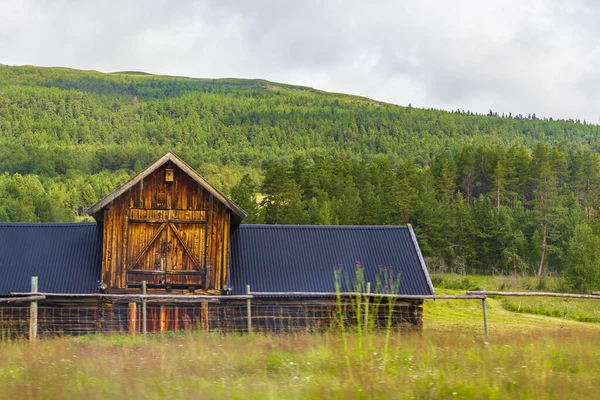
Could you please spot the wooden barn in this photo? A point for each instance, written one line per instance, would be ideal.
(171, 229)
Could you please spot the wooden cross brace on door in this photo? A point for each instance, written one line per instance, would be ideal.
(169, 237)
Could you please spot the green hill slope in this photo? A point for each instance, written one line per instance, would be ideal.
(485, 193)
(86, 116)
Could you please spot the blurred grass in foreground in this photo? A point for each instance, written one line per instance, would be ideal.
(526, 357)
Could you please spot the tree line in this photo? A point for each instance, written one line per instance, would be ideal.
(483, 210)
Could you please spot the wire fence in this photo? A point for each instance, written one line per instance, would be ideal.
(33, 314)
(55, 318)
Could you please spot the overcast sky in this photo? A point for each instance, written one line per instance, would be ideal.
(542, 57)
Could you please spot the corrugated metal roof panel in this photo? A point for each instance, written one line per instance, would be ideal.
(66, 257)
(297, 258)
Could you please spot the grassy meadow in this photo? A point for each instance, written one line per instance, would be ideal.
(527, 356)
(531, 365)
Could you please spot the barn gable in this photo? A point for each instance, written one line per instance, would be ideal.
(167, 226)
(96, 209)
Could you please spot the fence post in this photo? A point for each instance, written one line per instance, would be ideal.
(144, 315)
(204, 320)
(164, 323)
(249, 309)
(132, 317)
(485, 319)
(367, 306)
(33, 312)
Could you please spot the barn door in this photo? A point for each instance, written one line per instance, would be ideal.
(185, 259)
(148, 246)
(165, 249)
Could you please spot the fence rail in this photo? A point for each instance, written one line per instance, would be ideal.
(594, 295)
(21, 299)
(27, 314)
(127, 317)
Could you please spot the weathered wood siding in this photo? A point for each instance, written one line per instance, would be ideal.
(170, 234)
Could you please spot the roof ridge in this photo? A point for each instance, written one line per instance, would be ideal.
(289, 226)
(46, 224)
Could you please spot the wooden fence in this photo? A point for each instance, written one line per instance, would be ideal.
(63, 313)
(254, 311)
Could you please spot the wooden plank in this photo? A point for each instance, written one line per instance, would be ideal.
(141, 194)
(219, 248)
(213, 245)
(182, 195)
(121, 208)
(225, 251)
(148, 203)
(124, 238)
(113, 248)
(184, 245)
(105, 263)
(161, 220)
(169, 192)
(204, 246)
(149, 244)
(145, 272)
(21, 299)
(207, 254)
(184, 272)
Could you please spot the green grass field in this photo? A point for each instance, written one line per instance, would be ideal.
(527, 356)
(583, 310)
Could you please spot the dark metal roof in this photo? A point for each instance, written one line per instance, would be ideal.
(66, 257)
(293, 258)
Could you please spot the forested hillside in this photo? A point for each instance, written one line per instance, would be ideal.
(485, 193)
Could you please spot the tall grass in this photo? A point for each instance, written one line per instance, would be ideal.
(364, 309)
(429, 365)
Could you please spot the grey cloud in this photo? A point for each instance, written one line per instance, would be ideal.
(539, 56)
